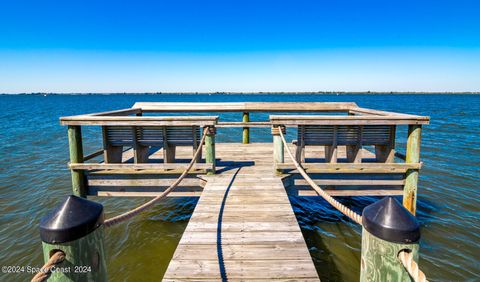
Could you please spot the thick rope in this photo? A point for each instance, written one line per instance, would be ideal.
(336, 204)
(406, 258)
(125, 216)
(412, 267)
(57, 258)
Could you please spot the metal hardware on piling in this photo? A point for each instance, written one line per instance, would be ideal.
(388, 229)
(75, 228)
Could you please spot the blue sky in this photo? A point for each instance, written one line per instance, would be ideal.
(169, 46)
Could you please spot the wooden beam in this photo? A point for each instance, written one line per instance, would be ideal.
(125, 166)
(351, 193)
(353, 167)
(249, 124)
(93, 155)
(246, 107)
(140, 120)
(295, 120)
(122, 112)
(353, 182)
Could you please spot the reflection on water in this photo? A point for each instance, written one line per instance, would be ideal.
(34, 178)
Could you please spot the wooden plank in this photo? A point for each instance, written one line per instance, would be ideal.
(352, 193)
(122, 112)
(245, 106)
(353, 167)
(228, 124)
(93, 155)
(241, 252)
(140, 120)
(295, 120)
(353, 182)
(243, 224)
(123, 166)
(245, 269)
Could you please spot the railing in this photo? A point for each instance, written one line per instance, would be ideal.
(79, 239)
(351, 132)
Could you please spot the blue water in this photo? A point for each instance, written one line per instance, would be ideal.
(34, 178)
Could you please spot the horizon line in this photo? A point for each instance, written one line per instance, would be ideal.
(242, 92)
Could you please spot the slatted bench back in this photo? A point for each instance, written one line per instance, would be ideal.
(183, 135)
(118, 135)
(152, 135)
(346, 134)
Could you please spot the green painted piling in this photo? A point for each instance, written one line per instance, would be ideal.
(76, 156)
(210, 149)
(388, 228)
(76, 228)
(411, 179)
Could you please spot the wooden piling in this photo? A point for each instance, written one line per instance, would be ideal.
(76, 156)
(210, 149)
(75, 228)
(382, 241)
(246, 130)
(411, 176)
(278, 149)
(379, 260)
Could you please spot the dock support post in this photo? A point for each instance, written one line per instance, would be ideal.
(246, 130)
(411, 177)
(76, 156)
(278, 150)
(75, 227)
(210, 149)
(383, 239)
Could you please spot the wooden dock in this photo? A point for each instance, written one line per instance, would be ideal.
(243, 227)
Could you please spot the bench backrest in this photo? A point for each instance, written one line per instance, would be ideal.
(346, 134)
(151, 135)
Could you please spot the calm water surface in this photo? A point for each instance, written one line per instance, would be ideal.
(34, 178)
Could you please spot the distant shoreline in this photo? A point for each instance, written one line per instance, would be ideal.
(258, 93)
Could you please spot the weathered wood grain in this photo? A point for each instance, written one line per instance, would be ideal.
(243, 227)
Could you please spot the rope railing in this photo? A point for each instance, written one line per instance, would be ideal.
(412, 267)
(125, 216)
(336, 204)
(405, 257)
(57, 258)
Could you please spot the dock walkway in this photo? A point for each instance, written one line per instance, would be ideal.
(243, 227)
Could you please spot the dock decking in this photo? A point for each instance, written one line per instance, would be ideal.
(243, 227)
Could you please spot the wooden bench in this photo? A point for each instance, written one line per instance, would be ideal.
(141, 138)
(353, 137)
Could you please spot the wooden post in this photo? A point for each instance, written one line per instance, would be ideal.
(168, 149)
(140, 152)
(331, 152)
(210, 149)
(246, 130)
(75, 228)
(411, 177)
(278, 149)
(388, 228)
(76, 156)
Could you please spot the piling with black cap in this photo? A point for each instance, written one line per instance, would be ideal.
(388, 228)
(76, 228)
